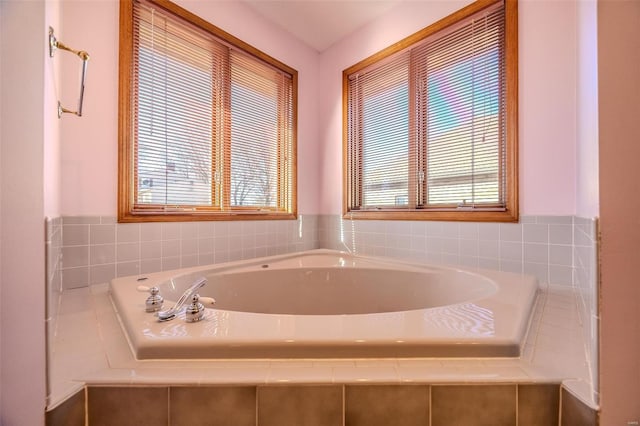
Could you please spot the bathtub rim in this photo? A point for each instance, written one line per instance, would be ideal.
(507, 342)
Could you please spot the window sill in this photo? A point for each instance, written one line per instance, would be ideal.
(451, 216)
(129, 217)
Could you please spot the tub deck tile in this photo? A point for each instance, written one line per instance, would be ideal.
(124, 369)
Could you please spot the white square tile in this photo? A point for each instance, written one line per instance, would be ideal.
(511, 232)
(102, 253)
(127, 233)
(369, 374)
(535, 233)
(536, 253)
(126, 252)
(188, 230)
(102, 234)
(561, 234)
(300, 374)
(150, 249)
(150, 231)
(511, 251)
(171, 231)
(561, 255)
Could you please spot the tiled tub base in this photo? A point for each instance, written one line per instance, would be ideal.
(325, 405)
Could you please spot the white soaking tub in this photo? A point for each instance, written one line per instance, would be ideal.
(330, 304)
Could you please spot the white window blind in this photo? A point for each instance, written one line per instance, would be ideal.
(427, 125)
(464, 118)
(175, 120)
(260, 112)
(379, 130)
(212, 125)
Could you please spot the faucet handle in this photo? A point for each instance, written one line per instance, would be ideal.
(154, 301)
(208, 302)
(195, 311)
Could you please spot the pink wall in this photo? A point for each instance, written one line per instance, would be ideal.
(587, 190)
(89, 147)
(547, 107)
(547, 98)
(23, 26)
(52, 148)
(90, 143)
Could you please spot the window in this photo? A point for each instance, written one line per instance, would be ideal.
(430, 123)
(207, 122)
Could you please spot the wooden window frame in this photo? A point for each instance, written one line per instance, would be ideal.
(511, 210)
(128, 210)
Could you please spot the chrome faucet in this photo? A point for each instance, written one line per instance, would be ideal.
(195, 311)
(154, 301)
(188, 295)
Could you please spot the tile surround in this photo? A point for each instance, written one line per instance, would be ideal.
(538, 405)
(325, 405)
(482, 405)
(53, 292)
(96, 249)
(538, 245)
(372, 405)
(585, 254)
(69, 413)
(574, 412)
(212, 405)
(128, 405)
(560, 250)
(94, 351)
(311, 405)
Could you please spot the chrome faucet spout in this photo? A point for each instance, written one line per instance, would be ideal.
(171, 313)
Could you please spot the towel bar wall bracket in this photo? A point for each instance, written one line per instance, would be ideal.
(55, 44)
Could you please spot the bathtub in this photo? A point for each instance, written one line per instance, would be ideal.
(330, 304)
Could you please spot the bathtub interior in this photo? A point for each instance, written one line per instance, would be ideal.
(334, 290)
(271, 308)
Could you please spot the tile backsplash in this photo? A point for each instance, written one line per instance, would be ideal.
(538, 245)
(585, 254)
(53, 253)
(97, 249)
(53, 270)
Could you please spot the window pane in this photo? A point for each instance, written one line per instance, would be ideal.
(385, 140)
(254, 133)
(207, 122)
(463, 106)
(174, 119)
(426, 122)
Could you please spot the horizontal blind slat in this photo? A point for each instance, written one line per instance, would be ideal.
(193, 92)
(456, 109)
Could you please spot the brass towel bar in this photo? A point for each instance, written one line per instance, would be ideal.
(56, 44)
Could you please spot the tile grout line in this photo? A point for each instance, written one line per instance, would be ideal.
(517, 386)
